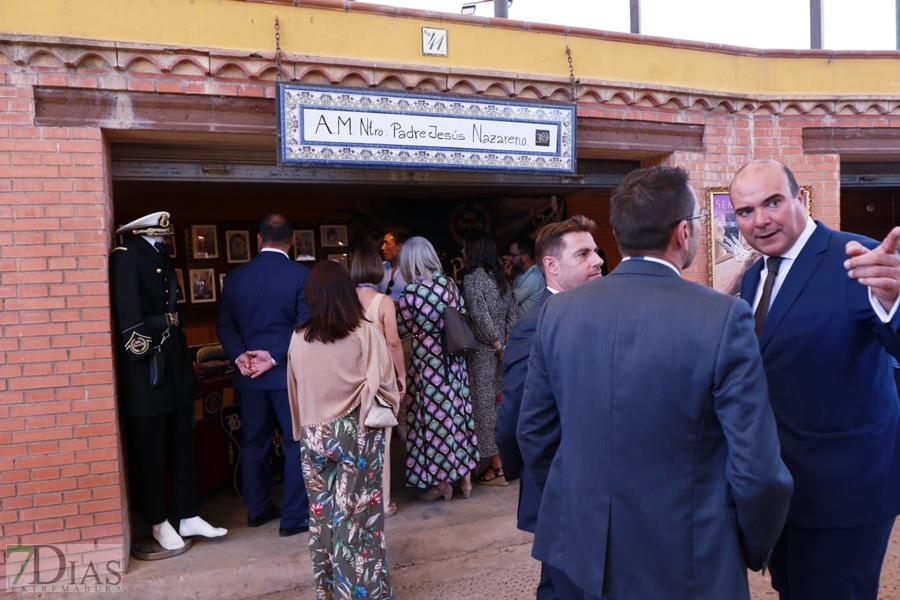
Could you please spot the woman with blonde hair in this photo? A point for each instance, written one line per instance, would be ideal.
(441, 444)
(338, 363)
(366, 271)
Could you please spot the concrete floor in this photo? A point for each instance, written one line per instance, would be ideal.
(457, 550)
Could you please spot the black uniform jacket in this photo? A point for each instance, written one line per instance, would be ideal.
(140, 277)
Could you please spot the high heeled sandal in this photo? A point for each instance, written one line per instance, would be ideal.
(499, 477)
(465, 487)
(442, 489)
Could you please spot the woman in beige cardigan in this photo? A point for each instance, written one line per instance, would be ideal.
(337, 363)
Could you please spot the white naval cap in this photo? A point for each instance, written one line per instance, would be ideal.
(155, 224)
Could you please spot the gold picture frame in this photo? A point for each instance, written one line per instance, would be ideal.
(204, 241)
(237, 245)
(202, 285)
(342, 258)
(304, 244)
(180, 297)
(331, 236)
(728, 253)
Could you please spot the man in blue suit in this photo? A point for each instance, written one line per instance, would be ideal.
(645, 420)
(825, 334)
(261, 304)
(567, 256)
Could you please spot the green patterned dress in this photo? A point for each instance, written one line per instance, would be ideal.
(342, 466)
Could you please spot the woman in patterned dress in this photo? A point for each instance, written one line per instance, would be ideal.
(494, 311)
(441, 444)
(337, 363)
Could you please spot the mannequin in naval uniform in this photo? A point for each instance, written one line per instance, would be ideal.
(157, 417)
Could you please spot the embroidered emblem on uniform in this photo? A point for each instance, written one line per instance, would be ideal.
(138, 344)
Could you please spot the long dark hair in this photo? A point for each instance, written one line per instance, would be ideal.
(334, 308)
(482, 252)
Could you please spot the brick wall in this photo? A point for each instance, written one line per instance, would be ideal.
(60, 470)
(60, 474)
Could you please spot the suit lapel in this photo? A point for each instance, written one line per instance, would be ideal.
(804, 266)
(750, 282)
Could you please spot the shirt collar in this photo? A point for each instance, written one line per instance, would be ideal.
(274, 250)
(654, 259)
(794, 251)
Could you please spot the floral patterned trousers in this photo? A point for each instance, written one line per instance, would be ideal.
(342, 467)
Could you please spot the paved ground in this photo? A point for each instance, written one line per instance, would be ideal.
(457, 550)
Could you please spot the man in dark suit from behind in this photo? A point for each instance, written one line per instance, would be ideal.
(261, 305)
(826, 335)
(645, 419)
(567, 256)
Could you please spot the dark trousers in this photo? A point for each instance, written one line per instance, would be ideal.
(555, 585)
(811, 564)
(260, 410)
(157, 444)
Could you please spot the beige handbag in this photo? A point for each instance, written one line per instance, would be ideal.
(381, 415)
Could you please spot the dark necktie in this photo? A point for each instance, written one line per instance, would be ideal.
(762, 308)
(160, 247)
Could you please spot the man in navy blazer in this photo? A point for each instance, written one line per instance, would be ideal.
(831, 324)
(567, 256)
(645, 419)
(262, 302)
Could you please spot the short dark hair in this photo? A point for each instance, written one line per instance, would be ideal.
(366, 266)
(334, 308)
(525, 245)
(276, 228)
(647, 205)
(399, 233)
(549, 241)
(481, 251)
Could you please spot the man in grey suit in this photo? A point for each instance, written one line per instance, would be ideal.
(646, 422)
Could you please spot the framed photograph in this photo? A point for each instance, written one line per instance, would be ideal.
(333, 235)
(203, 241)
(729, 253)
(222, 281)
(179, 275)
(237, 246)
(344, 259)
(304, 244)
(169, 243)
(203, 285)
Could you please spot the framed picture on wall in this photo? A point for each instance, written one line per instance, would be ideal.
(237, 246)
(304, 244)
(729, 254)
(203, 241)
(333, 236)
(203, 285)
(344, 259)
(169, 243)
(179, 275)
(222, 281)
